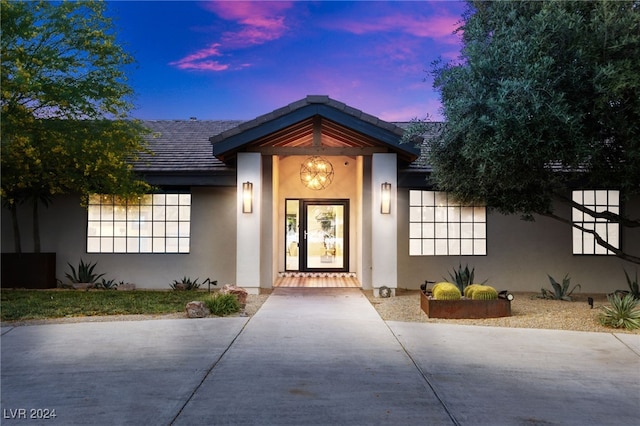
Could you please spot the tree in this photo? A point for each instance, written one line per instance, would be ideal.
(65, 102)
(545, 97)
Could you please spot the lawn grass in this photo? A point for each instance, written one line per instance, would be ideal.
(18, 305)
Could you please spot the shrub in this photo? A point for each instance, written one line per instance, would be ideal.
(560, 292)
(446, 291)
(84, 273)
(623, 312)
(185, 284)
(222, 304)
(484, 292)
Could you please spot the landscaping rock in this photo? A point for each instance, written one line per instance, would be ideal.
(126, 287)
(196, 309)
(239, 292)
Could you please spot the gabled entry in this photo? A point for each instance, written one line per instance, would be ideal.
(317, 235)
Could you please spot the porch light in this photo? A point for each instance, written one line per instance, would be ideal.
(247, 197)
(316, 173)
(385, 198)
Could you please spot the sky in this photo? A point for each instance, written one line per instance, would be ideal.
(219, 60)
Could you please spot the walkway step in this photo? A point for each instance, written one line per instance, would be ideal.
(315, 356)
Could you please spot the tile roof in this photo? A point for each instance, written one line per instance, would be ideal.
(185, 146)
(182, 145)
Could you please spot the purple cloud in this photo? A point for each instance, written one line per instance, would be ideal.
(259, 23)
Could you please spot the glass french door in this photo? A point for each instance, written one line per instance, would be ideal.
(317, 235)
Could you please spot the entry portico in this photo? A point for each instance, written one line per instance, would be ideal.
(285, 223)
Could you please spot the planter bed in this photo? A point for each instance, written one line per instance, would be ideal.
(465, 308)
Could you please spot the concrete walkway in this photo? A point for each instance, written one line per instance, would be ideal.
(315, 357)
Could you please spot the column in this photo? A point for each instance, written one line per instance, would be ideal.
(384, 226)
(249, 169)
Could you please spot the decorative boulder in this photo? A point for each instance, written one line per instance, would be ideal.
(197, 309)
(239, 292)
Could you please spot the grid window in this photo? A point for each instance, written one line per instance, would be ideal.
(597, 201)
(440, 226)
(158, 223)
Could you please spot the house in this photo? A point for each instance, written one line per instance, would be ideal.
(315, 187)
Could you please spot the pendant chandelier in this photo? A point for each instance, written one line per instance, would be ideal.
(316, 173)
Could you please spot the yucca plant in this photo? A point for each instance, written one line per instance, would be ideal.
(560, 291)
(623, 312)
(221, 304)
(84, 274)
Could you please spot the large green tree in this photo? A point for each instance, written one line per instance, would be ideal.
(544, 97)
(65, 104)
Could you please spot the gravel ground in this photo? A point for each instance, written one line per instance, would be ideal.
(527, 311)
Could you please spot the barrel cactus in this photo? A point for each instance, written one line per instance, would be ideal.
(468, 290)
(446, 291)
(484, 292)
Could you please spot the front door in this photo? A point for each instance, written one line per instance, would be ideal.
(317, 235)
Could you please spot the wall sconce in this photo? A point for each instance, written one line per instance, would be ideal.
(247, 197)
(385, 198)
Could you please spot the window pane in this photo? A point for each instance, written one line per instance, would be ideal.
(172, 229)
(429, 247)
(172, 199)
(454, 247)
(441, 248)
(94, 212)
(172, 213)
(93, 245)
(446, 227)
(466, 247)
(428, 230)
(480, 247)
(120, 245)
(171, 245)
(599, 201)
(183, 245)
(415, 248)
(415, 198)
(115, 224)
(415, 230)
(415, 213)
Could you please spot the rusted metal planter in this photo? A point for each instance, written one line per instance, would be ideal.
(465, 308)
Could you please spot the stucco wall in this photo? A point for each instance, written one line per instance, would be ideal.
(213, 218)
(520, 254)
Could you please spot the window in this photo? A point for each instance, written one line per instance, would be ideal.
(598, 201)
(438, 225)
(158, 223)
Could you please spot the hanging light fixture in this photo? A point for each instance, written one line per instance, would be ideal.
(316, 173)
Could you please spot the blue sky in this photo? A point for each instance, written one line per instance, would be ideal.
(238, 60)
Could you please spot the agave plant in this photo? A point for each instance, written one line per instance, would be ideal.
(623, 312)
(185, 284)
(560, 291)
(462, 277)
(84, 274)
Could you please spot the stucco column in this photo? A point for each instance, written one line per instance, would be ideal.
(249, 169)
(384, 226)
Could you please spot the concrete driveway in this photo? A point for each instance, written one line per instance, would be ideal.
(315, 357)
